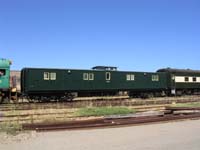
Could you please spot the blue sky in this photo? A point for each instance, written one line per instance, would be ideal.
(140, 35)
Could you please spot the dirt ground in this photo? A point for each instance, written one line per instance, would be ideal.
(183, 135)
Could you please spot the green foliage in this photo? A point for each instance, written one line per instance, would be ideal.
(103, 111)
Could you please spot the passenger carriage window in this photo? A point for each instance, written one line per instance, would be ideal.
(46, 76)
(186, 79)
(155, 77)
(85, 76)
(2, 72)
(194, 79)
(108, 76)
(91, 76)
(53, 76)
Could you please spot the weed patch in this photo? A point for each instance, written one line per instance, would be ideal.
(103, 111)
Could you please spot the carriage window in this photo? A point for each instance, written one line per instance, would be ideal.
(155, 78)
(2, 72)
(108, 76)
(194, 79)
(130, 77)
(53, 76)
(186, 79)
(91, 76)
(46, 76)
(85, 76)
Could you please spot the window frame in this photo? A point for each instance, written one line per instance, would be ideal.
(91, 76)
(108, 76)
(3, 72)
(194, 79)
(130, 77)
(155, 78)
(85, 76)
(44, 76)
(52, 75)
(186, 79)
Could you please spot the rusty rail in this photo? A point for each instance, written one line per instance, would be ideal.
(109, 122)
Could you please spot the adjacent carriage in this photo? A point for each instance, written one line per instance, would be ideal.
(182, 81)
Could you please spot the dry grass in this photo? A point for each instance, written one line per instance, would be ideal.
(10, 128)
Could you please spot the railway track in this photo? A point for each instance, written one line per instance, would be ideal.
(99, 103)
(58, 112)
(24, 116)
(111, 122)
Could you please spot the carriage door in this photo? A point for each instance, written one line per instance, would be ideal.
(173, 84)
(108, 77)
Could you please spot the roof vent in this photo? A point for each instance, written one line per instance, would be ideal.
(109, 68)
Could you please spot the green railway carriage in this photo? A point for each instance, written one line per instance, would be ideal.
(4, 77)
(182, 81)
(58, 82)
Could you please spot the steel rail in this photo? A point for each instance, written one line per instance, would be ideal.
(102, 123)
(93, 103)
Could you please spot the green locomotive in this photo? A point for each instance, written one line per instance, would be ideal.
(4, 78)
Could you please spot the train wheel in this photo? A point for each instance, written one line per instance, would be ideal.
(30, 99)
(70, 97)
